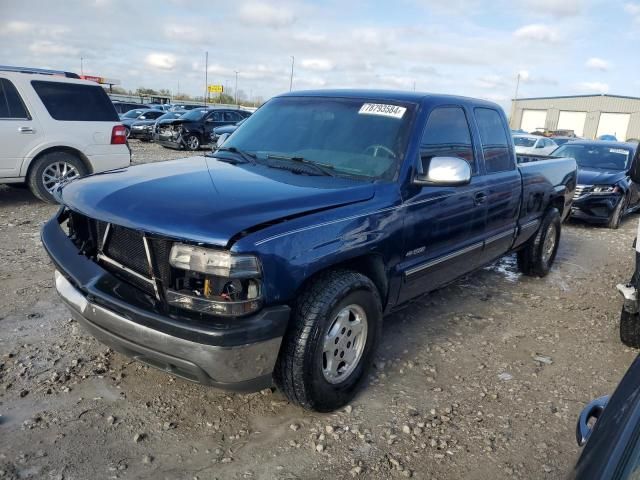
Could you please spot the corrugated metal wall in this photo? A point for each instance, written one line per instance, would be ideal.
(593, 105)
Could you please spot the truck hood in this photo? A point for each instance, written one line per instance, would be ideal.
(202, 199)
(595, 176)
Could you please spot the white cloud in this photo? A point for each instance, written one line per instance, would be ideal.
(560, 8)
(47, 47)
(310, 38)
(596, 63)
(373, 37)
(16, 27)
(593, 87)
(317, 64)
(490, 82)
(263, 14)
(162, 61)
(632, 9)
(537, 32)
(185, 33)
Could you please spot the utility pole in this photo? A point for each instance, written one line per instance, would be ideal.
(513, 103)
(206, 78)
(82, 66)
(293, 59)
(236, 92)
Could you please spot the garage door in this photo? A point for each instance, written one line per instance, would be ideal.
(614, 124)
(572, 121)
(533, 119)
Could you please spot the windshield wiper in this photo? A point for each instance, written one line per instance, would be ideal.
(322, 168)
(247, 157)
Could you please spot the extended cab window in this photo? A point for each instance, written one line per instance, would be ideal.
(495, 144)
(75, 102)
(11, 105)
(447, 135)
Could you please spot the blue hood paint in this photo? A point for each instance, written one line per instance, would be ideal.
(202, 199)
(595, 176)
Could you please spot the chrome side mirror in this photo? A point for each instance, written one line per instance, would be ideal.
(443, 171)
(221, 139)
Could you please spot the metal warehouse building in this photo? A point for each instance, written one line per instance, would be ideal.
(589, 116)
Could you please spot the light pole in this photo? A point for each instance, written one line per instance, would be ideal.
(293, 59)
(236, 91)
(82, 66)
(513, 103)
(206, 78)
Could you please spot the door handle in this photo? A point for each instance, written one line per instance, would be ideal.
(479, 198)
(26, 130)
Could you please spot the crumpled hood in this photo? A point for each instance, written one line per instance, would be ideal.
(204, 200)
(595, 176)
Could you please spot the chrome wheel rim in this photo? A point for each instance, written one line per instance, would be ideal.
(344, 344)
(549, 244)
(58, 173)
(193, 143)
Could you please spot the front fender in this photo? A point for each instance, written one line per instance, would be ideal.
(299, 249)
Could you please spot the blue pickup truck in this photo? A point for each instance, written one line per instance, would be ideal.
(275, 257)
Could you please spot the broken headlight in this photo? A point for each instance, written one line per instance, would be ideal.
(215, 282)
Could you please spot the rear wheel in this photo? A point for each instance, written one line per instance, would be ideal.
(538, 255)
(52, 169)
(330, 343)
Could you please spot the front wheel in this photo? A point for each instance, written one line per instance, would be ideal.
(192, 142)
(630, 329)
(330, 343)
(618, 212)
(539, 253)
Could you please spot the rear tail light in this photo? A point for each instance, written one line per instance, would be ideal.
(118, 135)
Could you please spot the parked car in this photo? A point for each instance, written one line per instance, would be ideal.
(193, 130)
(605, 191)
(160, 106)
(182, 106)
(55, 128)
(562, 140)
(608, 138)
(145, 129)
(534, 144)
(277, 255)
(609, 430)
(228, 129)
(124, 107)
(133, 116)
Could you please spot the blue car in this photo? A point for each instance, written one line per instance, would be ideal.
(274, 258)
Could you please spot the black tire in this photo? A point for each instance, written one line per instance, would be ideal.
(630, 329)
(532, 259)
(618, 213)
(35, 180)
(299, 370)
(192, 143)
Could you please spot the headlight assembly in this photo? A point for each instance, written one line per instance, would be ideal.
(215, 282)
(605, 189)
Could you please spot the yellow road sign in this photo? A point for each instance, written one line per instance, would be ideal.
(215, 89)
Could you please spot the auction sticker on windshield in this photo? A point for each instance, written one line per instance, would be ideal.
(382, 109)
(621, 151)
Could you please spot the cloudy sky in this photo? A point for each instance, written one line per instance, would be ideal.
(468, 47)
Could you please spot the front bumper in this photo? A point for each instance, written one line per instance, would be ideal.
(595, 208)
(141, 134)
(233, 354)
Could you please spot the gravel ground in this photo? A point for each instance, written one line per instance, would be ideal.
(482, 379)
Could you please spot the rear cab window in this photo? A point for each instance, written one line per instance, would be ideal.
(75, 102)
(447, 134)
(495, 143)
(11, 104)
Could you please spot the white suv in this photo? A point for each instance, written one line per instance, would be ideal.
(54, 128)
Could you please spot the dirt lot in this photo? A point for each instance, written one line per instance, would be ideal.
(455, 392)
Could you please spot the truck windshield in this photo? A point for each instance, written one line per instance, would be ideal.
(596, 156)
(354, 137)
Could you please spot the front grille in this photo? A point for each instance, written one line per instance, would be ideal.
(125, 247)
(582, 190)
